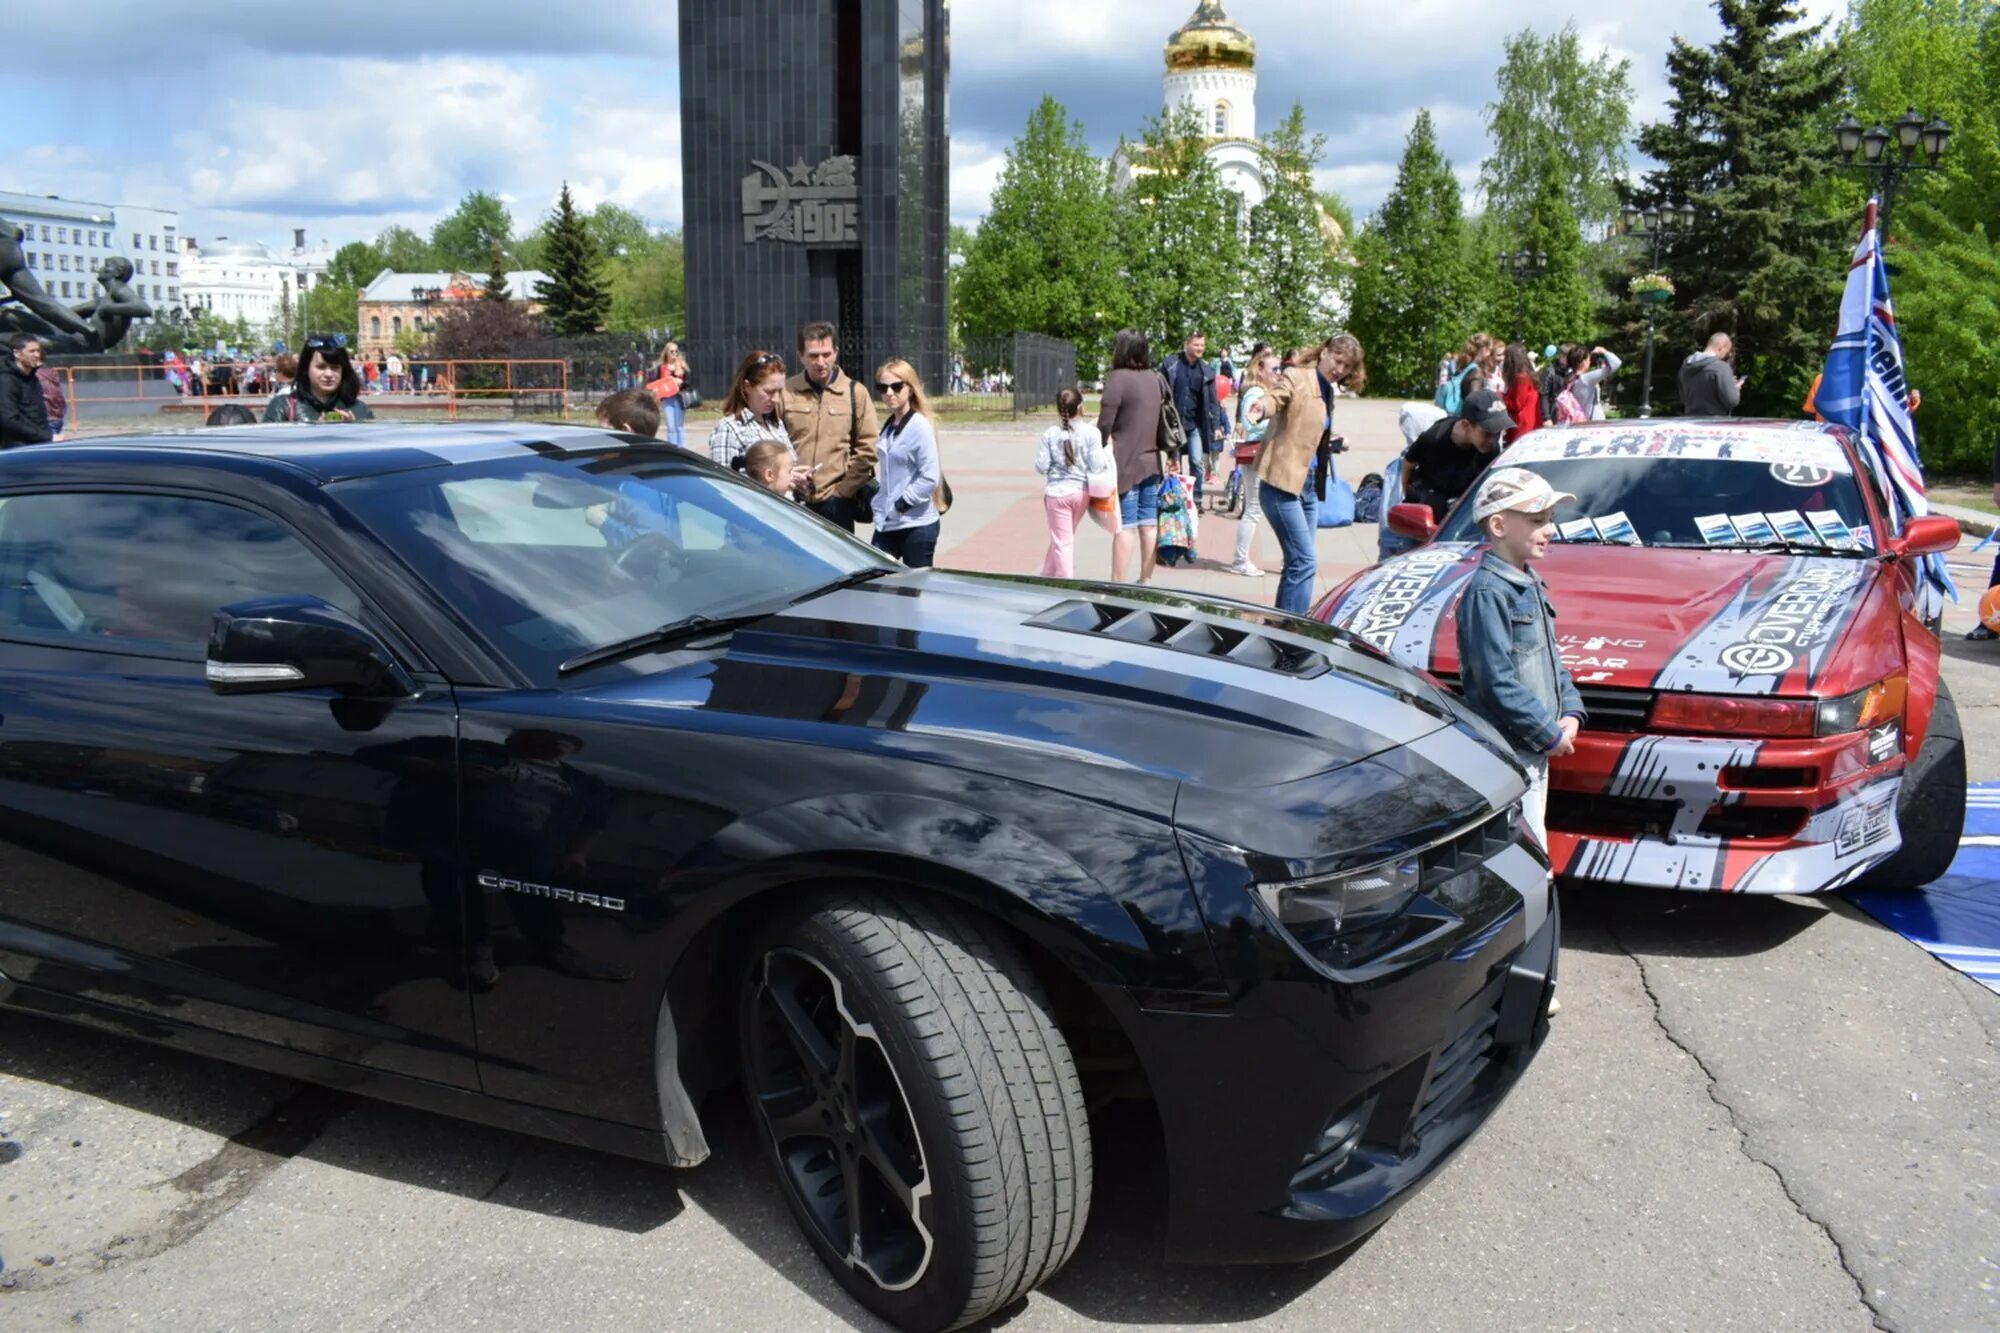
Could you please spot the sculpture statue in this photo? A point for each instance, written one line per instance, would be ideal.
(95, 326)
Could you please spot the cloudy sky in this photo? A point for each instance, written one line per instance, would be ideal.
(253, 118)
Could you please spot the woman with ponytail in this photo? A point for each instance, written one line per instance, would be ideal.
(1071, 450)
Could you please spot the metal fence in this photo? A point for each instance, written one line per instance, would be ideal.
(1007, 375)
(1043, 366)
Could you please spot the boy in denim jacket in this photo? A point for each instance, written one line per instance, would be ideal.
(1509, 669)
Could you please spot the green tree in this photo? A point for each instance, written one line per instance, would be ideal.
(648, 285)
(1552, 99)
(403, 251)
(1943, 58)
(1412, 287)
(332, 307)
(1486, 297)
(573, 297)
(1745, 138)
(463, 238)
(1292, 301)
(1178, 228)
(1557, 305)
(1045, 260)
(495, 286)
(355, 264)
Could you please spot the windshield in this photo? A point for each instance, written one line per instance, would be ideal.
(551, 557)
(1696, 502)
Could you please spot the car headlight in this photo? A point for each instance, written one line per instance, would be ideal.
(1865, 708)
(1316, 910)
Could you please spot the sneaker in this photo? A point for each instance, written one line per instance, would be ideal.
(1980, 634)
(1247, 570)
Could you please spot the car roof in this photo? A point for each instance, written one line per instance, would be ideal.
(329, 452)
(1720, 438)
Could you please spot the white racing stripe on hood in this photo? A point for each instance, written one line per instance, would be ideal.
(1001, 629)
(1756, 641)
(1473, 764)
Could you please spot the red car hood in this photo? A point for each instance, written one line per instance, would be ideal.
(1732, 622)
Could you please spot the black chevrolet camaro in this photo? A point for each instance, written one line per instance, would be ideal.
(556, 780)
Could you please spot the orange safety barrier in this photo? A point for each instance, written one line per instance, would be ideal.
(427, 384)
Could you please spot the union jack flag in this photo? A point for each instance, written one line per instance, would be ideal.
(1863, 389)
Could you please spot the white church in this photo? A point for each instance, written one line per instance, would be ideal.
(1211, 65)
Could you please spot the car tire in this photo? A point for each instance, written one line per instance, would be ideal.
(903, 1069)
(1930, 809)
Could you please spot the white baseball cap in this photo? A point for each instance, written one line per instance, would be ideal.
(1515, 488)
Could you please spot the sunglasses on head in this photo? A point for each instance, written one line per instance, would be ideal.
(890, 386)
(769, 359)
(327, 342)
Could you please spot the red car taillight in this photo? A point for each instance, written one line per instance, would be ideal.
(1725, 715)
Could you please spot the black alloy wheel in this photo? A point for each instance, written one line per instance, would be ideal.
(918, 1104)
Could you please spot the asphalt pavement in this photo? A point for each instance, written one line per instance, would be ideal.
(1759, 1114)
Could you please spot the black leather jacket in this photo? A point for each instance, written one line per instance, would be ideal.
(23, 418)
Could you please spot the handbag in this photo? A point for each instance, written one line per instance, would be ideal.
(690, 397)
(1172, 438)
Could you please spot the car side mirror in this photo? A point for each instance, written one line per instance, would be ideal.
(1413, 521)
(1933, 534)
(277, 644)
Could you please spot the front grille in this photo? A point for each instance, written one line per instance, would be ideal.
(1754, 821)
(1614, 709)
(1470, 849)
(1610, 709)
(1455, 1069)
(1184, 634)
(1595, 816)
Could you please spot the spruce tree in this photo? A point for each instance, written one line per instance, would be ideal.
(495, 288)
(1745, 141)
(1293, 300)
(1557, 305)
(1410, 284)
(573, 296)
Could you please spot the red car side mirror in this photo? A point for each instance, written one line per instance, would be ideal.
(1415, 522)
(1933, 534)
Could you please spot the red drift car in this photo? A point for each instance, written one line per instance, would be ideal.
(1743, 620)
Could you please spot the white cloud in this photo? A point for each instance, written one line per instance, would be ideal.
(232, 121)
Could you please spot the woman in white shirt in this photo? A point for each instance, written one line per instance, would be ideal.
(1071, 450)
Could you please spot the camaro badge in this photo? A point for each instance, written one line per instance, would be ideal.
(489, 880)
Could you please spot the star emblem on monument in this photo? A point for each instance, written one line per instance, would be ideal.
(801, 173)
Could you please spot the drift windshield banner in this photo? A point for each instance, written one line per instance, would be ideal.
(1863, 389)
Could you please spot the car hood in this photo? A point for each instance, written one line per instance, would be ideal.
(1014, 675)
(1732, 622)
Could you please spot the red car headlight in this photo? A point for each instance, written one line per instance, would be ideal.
(1731, 715)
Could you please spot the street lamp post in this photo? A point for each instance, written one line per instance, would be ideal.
(1654, 221)
(1524, 268)
(1869, 151)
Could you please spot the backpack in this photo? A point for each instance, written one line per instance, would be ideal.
(1568, 410)
(1451, 394)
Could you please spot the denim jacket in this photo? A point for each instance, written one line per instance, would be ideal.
(1509, 670)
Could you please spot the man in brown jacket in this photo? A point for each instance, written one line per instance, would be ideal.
(831, 421)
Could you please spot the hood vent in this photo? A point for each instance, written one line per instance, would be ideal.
(1183, 634)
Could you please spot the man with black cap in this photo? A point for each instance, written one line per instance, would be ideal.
(1445, 460)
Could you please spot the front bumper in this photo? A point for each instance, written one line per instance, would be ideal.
(1716, 814)
(1415, 1052)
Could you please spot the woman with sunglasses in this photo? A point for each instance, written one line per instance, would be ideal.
(906, 459)
(325, 388)
(750, 414)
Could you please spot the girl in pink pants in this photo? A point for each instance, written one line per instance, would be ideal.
(1070, 450)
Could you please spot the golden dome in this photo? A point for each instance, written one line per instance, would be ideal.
(1210, 40)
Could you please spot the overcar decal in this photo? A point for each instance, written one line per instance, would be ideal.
(1398, 607)
(1763, 636)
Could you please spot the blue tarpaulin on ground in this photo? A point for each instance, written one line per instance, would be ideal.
(1956, 918)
